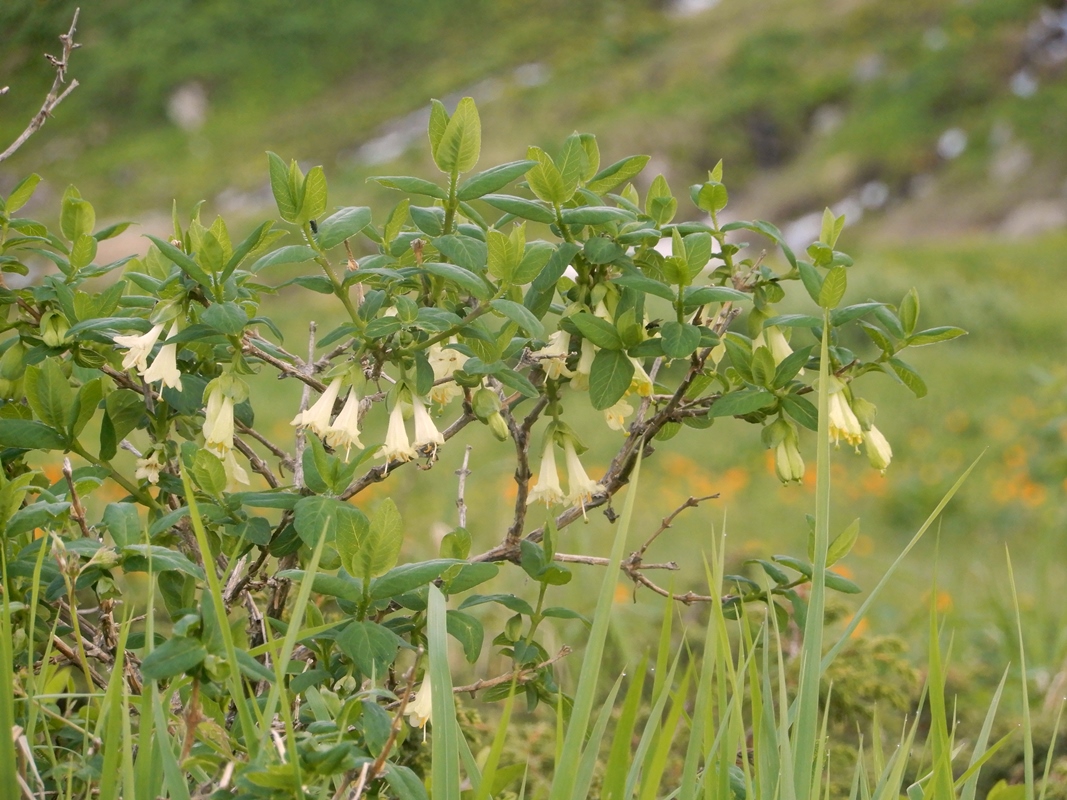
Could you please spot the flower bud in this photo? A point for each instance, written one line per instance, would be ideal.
(498, 426)
(12, 365)
(54, 327)
(485, 403)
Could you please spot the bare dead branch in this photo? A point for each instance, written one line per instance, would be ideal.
(55, 96)
(76, 510)
(522, 675)
(462, 473)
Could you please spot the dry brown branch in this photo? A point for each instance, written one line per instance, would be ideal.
(462, 473)
(521, 675)
(76, 510)
(54, 97)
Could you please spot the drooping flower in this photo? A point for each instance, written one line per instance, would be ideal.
(165, 366)
(617, 414)
(419, 711)
(547, 490)
(344, 432)
(445, 361)
(580, 378)
(580, 486)
(138, 348)
(843, 422)
(640, 383)
(397, 447)
(218, 419)
(317, 417)
(148, 468)
(774, 340)
(879, 453)
(788, 462)
(235, 473)
(426, 434)
(553, 356)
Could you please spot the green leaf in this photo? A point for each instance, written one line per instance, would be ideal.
(468, 632)
(702, 295)
(543, 287)
(932, 335)
(22, 192)
(763, 368)
(83, 251)
(162, 559)
(372, 647)
(437, 126)
(458, 275)
(461, 142)
(380, 549)
(544, 177)
(831, 227)
(616, 174)
(85, 406)
(659, 203)
(572, 164)
(174, 657)
(466, 251)
(909, 312)
(802, 410)
(642, 283)
(492, 179)
(847, 314)
(503, 255)
(609, 378)
(740, 403)
(520, 207)
(123, 523)
(833, 287)
(209, 473)
(842, 544)
(279, 186)
(712, 197)
(227, 318)
(680, 339)
(599, 250)
(185, 263)
(521, 316)
(909, 377)
(407, 577)
(352, 529)
(535, 256)
(811, 279)
(315, 516)
(290, 254)
(343, 224)
(313, 197)
(469, 576)
(599, 331)
(406, 784)
(76, 216)
(49, 394)
(413, 185)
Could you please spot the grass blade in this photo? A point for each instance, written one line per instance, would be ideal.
(445, 735)
(1028, 731)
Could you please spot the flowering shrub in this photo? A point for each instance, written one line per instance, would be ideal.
(467, 305)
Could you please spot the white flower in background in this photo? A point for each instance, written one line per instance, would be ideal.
(548, 490)
(426, 433)
(344, 432)
(148, 468)
(553, 356)
(580, 378)
(879, 453)
(139, 348)
(445, 361)
(788, 462)
(165, 366)
(617, 414)
(397, 447)
(218, 419)
(581, 486)
(419, 711)
(843, 421)
(640, 383)
(317, 418)
(235, 473)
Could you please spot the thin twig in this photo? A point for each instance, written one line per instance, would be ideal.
(300, 370)
(258, 464)
(520, 434)
(463, 472)
(692, 502)
(54, 97)
(76, 510)
(521, 675)
(600, 561)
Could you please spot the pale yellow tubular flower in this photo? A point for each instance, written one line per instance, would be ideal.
(218, 421)
(617, 414)
(235, 473)
(419, 711)
(640, 383)
(581, 487)
(445, 361)
(397, 447)
(148, 468)
(344, 432)
(879, 453)
(426, 433)
(553, 356)
(317, 418)
(165, 366)
(843, 421)
(547, 490)
(580, 378)
(777, 344)
(138, 347)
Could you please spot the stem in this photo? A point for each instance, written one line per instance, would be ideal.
(338, 288)
(440, 337)
(452, 204)
(143, 497)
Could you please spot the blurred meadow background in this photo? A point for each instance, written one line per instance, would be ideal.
(939, 127)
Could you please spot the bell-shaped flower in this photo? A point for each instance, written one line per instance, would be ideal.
(879, 453)
(788, 462)
(218, 419)
(580, 378)
(165, 366)
(317, 418)
(553, 356)
(617, 414)
(235, 473)
(547, 490)
(843, 421)
(138, 348)
(774, 340)
(148, 468)
(427, 437)
(344, 432)
(397, 447)
(445, 361)
(581, 487)
(419, 711)
(640, 383)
